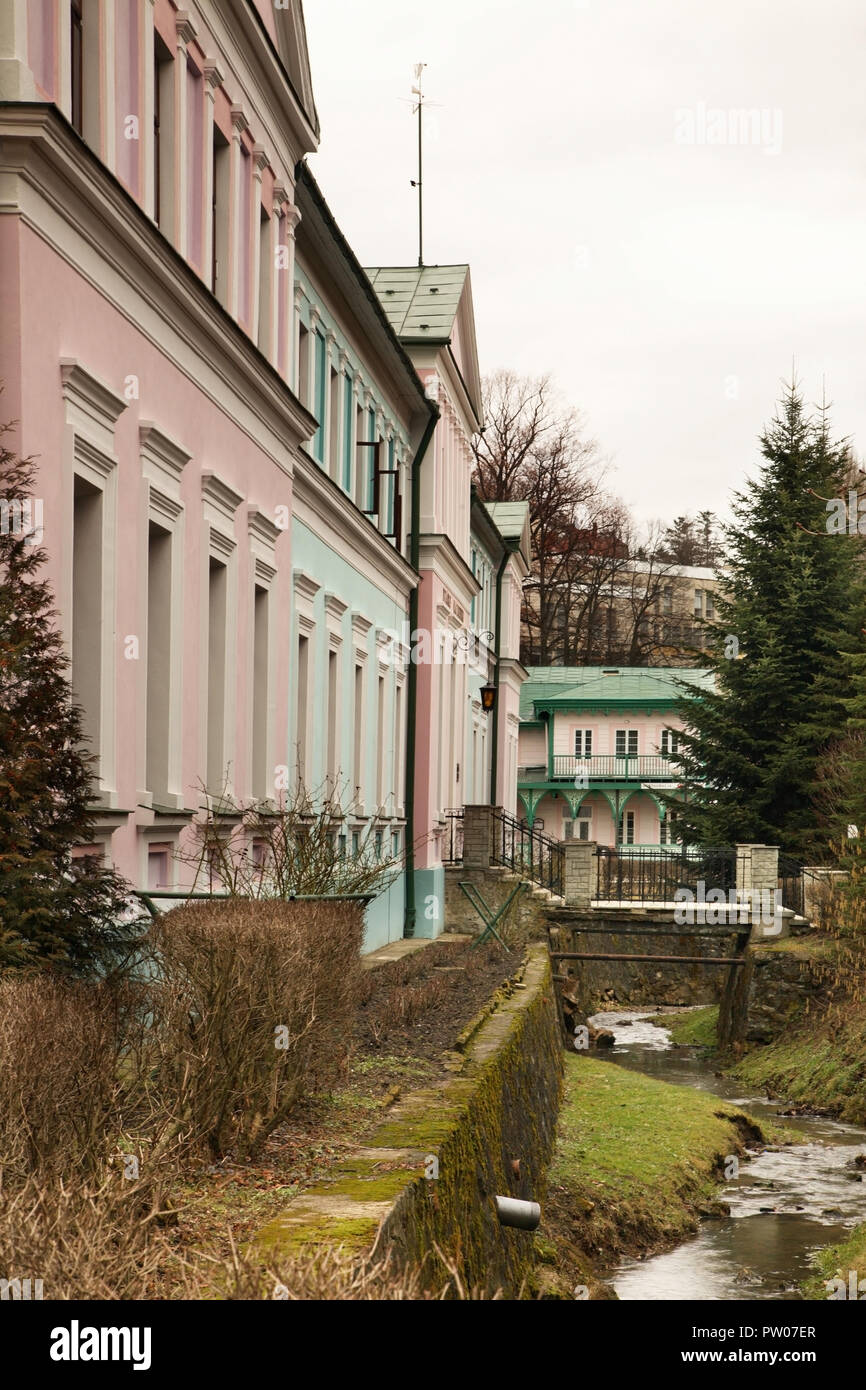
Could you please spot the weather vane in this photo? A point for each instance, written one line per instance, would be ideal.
(418, 109)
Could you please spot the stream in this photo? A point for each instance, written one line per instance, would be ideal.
(784, 1205)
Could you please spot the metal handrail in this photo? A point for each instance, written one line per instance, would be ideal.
(528, 851)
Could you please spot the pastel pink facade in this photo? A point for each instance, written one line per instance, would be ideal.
(598, 752)
(213, 396)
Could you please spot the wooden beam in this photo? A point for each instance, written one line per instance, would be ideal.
(667, 960)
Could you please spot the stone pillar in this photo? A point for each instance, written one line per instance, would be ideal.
(579, 873)
(478, 829)
(757, 885)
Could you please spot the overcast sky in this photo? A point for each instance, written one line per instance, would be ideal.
(666, 279)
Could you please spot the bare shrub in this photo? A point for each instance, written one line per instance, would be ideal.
(334, 1274)
(293, 846)
(92, 1239)
(61, 1095)
(253, 1004)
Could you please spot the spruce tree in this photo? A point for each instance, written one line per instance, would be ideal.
(55, 910)
(790, 610)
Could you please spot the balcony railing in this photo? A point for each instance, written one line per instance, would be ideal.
(617, 767)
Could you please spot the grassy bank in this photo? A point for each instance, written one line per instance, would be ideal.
(819, 1061)
(836, 1261)
(696, 1028)
(637, 1165)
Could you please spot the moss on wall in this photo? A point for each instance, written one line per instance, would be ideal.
(490, 1130)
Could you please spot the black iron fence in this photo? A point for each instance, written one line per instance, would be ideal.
(452, 838)
(791, 885)
(528, 852)
(655, 875)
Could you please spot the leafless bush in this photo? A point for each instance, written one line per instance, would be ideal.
(253, 1003)
(91, 1239)
(61, 1093)
(337, 1275)
(295, 846)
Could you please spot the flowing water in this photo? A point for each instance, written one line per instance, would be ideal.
(784, 1205)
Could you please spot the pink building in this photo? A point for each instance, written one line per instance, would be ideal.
(597, 750)
(472, 562)
(229, 434)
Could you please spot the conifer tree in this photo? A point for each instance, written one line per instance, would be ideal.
(55, 910)
(790, 609)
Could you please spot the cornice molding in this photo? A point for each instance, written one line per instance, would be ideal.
(89, 393)
(261, 528)
(437, 552)
(222, 497)
(172, 458)
(306, 586)
(335, 606)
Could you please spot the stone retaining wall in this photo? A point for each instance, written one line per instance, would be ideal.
(489, 1129)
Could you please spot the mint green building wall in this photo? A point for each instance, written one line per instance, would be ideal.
(338, 577)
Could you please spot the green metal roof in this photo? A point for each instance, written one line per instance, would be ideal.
(509, 518)
(420, 301)
(584, 686)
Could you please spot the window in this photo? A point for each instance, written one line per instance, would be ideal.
(583, 743)
(626, 742)
(195, 164)
(303, 364)
(163, 133)
(667, 600)
(348, 411)
(398, 748)
(380, 745)
(159, 641)
(334, 424)
(320, 368)
(245, 233)
(261, 644)
(301, 728)
(216, 679)
(87, 540)
(158, 866)
(626, 828)
(699, 604)
(709, 610)
(358, 762)
(76, 16)
(220, 216)
(266, 292)
(332, 720)
(670, 742)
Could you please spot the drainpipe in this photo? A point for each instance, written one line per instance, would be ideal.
(412, 688)
(510, 547)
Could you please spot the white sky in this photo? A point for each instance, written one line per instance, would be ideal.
(666, 285)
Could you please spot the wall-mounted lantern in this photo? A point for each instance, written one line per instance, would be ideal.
(488, 697)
